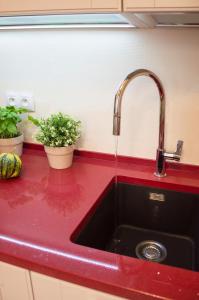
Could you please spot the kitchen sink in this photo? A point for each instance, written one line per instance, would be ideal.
(150, 223)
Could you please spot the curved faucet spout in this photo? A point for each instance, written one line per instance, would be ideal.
(119, 97)
(161, 154)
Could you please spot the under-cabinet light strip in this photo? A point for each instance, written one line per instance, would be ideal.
(25, 27)
(177, 26)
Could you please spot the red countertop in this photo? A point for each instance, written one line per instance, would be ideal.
(40, 210)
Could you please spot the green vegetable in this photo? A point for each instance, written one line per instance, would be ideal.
(10, 165)
(58, 130)
(9, 118)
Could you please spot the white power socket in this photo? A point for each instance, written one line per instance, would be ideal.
(12, 99)
(24, 100)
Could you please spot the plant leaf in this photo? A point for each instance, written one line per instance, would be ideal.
(35, 121)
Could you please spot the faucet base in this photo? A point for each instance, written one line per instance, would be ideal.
(159, 175)
(160, 164)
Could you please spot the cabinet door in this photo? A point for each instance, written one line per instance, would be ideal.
(14, 283)
(130, 4)
(73, 291)
(43, 5)
(177, 3)
(106, 4)
(45, 287)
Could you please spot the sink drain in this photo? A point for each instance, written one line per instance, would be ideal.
(151, 250)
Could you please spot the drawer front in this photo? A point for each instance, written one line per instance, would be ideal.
(177, 3)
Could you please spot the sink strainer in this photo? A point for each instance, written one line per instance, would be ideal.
(151, 250)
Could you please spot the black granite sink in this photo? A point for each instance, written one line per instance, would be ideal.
(154, 224)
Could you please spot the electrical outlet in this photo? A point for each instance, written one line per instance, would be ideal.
(21, 99)
(12, 99)
(26, 101)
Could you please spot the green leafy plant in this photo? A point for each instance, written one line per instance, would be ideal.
(9, 118)
(58, 130)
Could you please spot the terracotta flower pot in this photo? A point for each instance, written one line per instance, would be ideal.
(12, 145)
(59, 157)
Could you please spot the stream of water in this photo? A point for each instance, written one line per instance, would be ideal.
(116, 159)
(116, 180)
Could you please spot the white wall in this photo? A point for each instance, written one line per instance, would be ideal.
(78, 72)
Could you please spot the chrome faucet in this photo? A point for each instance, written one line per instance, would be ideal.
(161, 155)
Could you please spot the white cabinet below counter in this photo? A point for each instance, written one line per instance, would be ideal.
(46, 287)
(15, 283)
(21, 284)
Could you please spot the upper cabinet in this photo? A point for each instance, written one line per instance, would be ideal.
(107, 5)
(177, 3)
(16, 7)
(161, 5)
(31, 7)
(132, 4)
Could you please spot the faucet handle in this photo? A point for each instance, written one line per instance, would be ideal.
(175, 155)
(179, 148)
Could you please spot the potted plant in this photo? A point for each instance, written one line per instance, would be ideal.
(11, 139)
(58, 134)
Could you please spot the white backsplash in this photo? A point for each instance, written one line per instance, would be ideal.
(79, 71)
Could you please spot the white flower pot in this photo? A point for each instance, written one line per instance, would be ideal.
(12, 145)
(59, 157)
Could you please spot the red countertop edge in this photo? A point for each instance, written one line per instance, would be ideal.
(22, 259)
